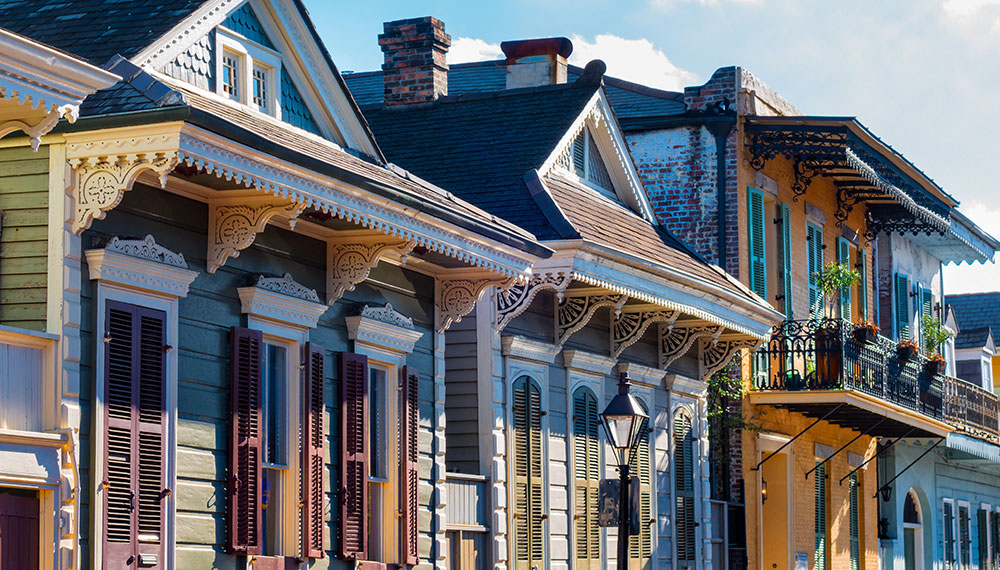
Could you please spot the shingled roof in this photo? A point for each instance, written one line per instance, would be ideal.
(972, 338)
(976, 310)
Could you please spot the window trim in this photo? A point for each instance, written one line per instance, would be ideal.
(954, 535)
(251, 55)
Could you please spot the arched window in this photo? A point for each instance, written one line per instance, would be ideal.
(641, 545)
(529, 537)
(911, 512)
(587, 478)
(684, 489)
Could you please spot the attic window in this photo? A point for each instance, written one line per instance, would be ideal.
(583, 159)
(248, 72)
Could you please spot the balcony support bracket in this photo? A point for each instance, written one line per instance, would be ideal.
(797, 436)
(912, 463)
(843, 447)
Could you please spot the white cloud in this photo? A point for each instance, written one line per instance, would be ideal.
(672, 3)
(976, 277)
(464, 50)
(634, 60)
(966, 8)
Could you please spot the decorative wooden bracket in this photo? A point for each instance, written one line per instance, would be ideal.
(103, 180)
(515, 299)
(576, 308)
(677, 338)
(457, 297)
(631, 323)
(716, 353)
(350, 260)
(35, 130)
(233, 224)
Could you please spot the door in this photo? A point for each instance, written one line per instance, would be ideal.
(18, 531)
(774, 512)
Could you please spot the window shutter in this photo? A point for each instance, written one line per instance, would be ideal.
(314, 442)
(814, 245)
(785, 239)
(964, 537)
(758, 250)
(587, 476)
(863, 283)
(641, 544)
(982, 528)
(244, 441)
(353, 456)
(844, 256)
(134, 411)
(579, 153)
(528, 535)
(684, 489)
(820, 516)
(995, 537)
(948, 516)
(854, 524)
(902, 307)
(409, 462)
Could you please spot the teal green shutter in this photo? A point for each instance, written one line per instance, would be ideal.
(854, 524)
(844, 256)
(758, 249)
(814, 243)
(863, 283)
(983, 534)
(786, 260)
(819, 553)
(902, 307)
(964, 538)
(948, 519)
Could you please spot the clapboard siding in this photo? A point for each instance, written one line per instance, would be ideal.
(206, 314)
(24, 201)
(461, 398)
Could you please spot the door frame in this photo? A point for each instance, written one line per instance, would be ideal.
(771, 443)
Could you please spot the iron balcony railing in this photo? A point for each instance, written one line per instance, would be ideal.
(833, 354)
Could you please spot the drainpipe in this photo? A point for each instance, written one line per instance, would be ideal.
(720, 128)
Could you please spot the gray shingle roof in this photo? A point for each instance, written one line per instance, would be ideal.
(976, 310)
(972, 338)
(95, 30)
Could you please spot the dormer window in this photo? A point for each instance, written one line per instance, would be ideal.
(583, 159)
(248, 72)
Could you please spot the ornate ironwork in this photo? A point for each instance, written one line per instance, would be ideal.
(971, 408)
(888, 218)
(850, 196)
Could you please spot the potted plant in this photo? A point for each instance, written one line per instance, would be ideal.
(866, 331)
(907, 350)
(831, 280)
(934, 334)
(834, 278)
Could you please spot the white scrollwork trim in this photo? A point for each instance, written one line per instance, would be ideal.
(677, 339)
(516, 299)
(387, 315)
(147, 248)
(267, 304)
(457, 297)
(575, 310)
(350, 263)
(234, 225)
(139, 273)
(35, 130)
(103, 180)
(629, 326)
(287, 286)
(717, 353)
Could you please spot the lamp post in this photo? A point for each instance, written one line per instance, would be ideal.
(623, 422)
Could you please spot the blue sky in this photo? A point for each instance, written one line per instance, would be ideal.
(922, 74)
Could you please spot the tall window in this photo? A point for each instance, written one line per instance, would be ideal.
(983, 533)
(641, 544)
(964, 536)
(814, 259)
(586, 479)
(820, 513)
(529, 536)
(901, 294)
(684, 479)
(948, 524)
(231, 75)
(275, 465)
(757, 243)
(383, 406)
(785, 259)
(854, 522)
(844, 256)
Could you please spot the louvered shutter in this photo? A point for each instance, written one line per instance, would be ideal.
(863, 283)
(926, 298)
(854, 523)
(964, 538)
(684, 476)
(814, 245)
(586, 479)
(820, 552)
(983, 531)
(948, 520)
(785, 239)
(409, 462)
(353, 456)
(995, 536)
(844, 256)
(579, 153)
(134, 412)
(528, 534)
(902, 293)
(314, 442)
(757, 247)
(641, 544)
(244, 442)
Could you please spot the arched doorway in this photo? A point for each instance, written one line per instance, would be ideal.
(913, 533)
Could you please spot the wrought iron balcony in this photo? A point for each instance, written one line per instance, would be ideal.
(836, 355)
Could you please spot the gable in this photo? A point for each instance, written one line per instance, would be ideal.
(262, 55)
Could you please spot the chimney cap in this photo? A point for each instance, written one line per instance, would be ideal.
(517, 49)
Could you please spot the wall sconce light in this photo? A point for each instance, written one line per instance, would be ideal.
(886, 493)
(763, 491)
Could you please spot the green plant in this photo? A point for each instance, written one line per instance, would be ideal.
(934, 334)
(832, 279)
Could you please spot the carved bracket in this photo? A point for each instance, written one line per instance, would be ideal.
(36, 130)
(515, 299)
(457, 297)
(575, 310)
(102, 181)
(235, 222)
(677, 339)
(350, 260)
(715, 354)
(631, 323)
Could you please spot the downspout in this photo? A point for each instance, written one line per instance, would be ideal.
(720, 128)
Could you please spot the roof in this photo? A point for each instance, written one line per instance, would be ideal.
(972, 338)
(976, 310)
(480, 146)
(629, 100)
(95, 30)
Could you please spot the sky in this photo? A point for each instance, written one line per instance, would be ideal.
(922, 74)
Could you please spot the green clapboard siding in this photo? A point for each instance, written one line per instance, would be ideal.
(24, 202)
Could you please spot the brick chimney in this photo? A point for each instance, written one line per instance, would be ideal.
(536, 62)
(415, 68)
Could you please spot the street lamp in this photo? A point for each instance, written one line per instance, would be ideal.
(623, 422)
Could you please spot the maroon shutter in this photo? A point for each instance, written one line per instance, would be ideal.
(354, 456)
(134, 412)
(244, 442)
(314, 438)
(408, 453)
(19, 532)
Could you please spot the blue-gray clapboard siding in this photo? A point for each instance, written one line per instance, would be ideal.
(206, 314)
(293, 107)
(195, 65)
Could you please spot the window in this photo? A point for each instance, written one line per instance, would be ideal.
(275, 465)
(231, 75)
(901, 292)
(785, 259)
(583, 159)
(854, 522)
(757, 245)
(641, 543)
(863, 283)
(684, 478)
(819, 512)
(586, 479)
(844, 256)
(260, 82)
(248, 72)
(983, 533)
(948, 523)
(383, 406)
(964, 536)
(529, 535)
(814, 258)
